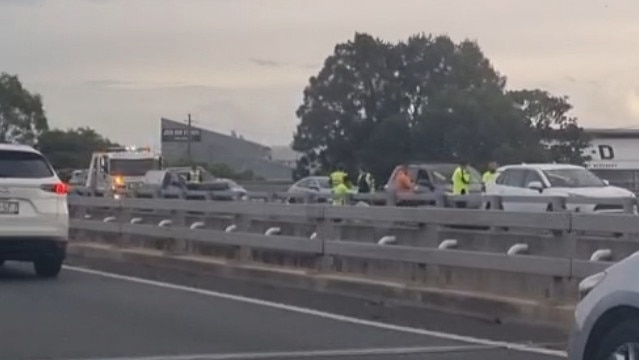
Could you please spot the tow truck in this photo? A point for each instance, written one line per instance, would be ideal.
(119, 169)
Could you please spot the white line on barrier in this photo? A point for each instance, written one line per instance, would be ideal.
(327, 315)
(313, 353)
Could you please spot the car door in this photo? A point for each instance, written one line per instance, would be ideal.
(532, 175)
(511, 183)
(314, 186)
(424, 182)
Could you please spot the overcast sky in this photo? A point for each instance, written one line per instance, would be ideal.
(119, 65)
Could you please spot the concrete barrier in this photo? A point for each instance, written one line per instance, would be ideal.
(530, 263)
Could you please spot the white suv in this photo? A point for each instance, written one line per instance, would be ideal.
(564, 180)
(34, 218)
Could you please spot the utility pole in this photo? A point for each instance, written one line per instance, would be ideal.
(188, 140)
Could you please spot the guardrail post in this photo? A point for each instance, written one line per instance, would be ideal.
(324, 263)
(126, 214)
(441, 200)
(391, 198)
(243, 224)
(177, 245)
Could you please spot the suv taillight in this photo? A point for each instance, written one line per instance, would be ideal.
(57, 188)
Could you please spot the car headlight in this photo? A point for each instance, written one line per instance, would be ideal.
(589, 283)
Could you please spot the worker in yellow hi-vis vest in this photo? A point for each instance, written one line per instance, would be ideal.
(490, 175)
(337, 177)
(461, 182)
(341, 191)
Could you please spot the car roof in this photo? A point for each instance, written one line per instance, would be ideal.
(18, 147)
(541, 166)
(429, 166)
(314, 177)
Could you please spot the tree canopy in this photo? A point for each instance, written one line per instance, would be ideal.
(22, 116)
(378, 104)
(72, 148)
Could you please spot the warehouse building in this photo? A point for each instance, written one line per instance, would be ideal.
(614, 156)
(212, 147)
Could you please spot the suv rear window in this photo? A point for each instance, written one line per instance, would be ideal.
(23, 164)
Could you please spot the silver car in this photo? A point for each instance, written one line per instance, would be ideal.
(311, 185)
(607, 317)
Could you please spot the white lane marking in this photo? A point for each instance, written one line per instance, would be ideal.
(313, 353)
(327, 315)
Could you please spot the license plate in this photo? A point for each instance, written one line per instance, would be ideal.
(9, 207)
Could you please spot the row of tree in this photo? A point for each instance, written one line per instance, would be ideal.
(376, 104)
(23, 120)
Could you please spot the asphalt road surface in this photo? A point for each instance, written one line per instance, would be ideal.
(91, 314)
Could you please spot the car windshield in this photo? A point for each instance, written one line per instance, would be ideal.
(133, 167)
(573, 178)
(442, 174)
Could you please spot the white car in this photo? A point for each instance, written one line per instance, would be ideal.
(34, 218)
(607, 317)
(562, 180)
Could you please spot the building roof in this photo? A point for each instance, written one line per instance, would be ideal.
(181, 125)
(284, 153)
(613, 132)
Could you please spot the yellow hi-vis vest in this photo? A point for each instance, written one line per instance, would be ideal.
(337, 178)
(489, 177)
(461, 180)
(340, 194)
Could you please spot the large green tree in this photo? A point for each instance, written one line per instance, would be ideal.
(549, 117)
(22, 116)
(425, 99)
(72, 148)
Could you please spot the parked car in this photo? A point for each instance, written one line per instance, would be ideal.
(435, 178)
(235, 190)
(569, 181)
(311, 185)
(607, 317)
(34, 217)
(78, 177)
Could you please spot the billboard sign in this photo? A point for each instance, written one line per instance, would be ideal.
(181, 135)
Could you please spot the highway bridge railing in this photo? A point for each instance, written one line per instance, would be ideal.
(482, 201)
(534, 257)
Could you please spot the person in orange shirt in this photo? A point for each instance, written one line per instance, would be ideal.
(403, 182)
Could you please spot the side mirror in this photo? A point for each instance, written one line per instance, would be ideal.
(536, 185)
(606, 182)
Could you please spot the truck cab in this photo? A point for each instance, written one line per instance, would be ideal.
(119, 169)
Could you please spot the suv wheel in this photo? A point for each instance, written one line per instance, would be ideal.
(48, 267)
(622, 342)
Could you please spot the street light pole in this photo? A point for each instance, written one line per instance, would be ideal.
(188, 140)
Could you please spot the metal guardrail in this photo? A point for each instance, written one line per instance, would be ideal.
(191, 221)
(536, 257)
(554, 203)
